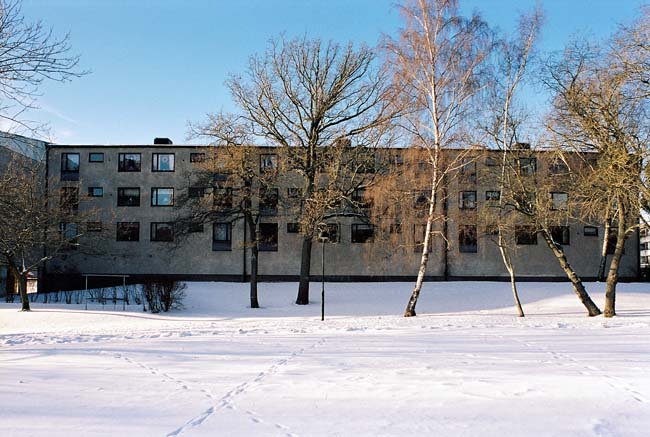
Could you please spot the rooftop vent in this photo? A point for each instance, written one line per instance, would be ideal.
(162, 141)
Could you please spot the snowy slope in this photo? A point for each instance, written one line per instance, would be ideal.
(465, 366)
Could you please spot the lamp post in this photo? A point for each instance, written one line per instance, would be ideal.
(323, 237)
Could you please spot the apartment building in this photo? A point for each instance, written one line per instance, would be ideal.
(135, 189)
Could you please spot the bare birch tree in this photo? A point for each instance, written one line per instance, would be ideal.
(513, 60)
(438, 61)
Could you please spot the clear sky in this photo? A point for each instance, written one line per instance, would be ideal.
(155, 65)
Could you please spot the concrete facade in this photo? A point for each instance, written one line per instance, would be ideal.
(345, 260)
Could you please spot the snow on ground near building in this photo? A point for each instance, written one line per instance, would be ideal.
(464, 366)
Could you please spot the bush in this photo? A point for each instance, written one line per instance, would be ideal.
(163, 295)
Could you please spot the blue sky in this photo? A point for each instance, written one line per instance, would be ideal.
(158, 64)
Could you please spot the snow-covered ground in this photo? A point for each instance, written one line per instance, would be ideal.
(465, 366)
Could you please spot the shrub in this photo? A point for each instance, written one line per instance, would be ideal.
(163, 295)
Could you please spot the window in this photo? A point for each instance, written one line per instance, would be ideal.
(421, 200)
(467, 239)
(293, 228)
(525, 235)
(94, 226)
(196, 192)
(128, 231)
(69, 166)
(492, 196)
(361, 199)
(162, 162)
(128, 196)
(397, 159)
(294, 193)
(128, 162)
(590, 231)
(331, 232)
(69, 232)
(467, 200)
(612, 240)
(491, 161)
(222, 198)
(268, 201)
(468, 169)
(268, 237)
(559, 201)
(196, 227)
(221, 236)
(162, 197)
(419, 232)
(162, 231)
(268, 162)
(96, 157)
(363, 233)
(197, 157)
(69, 198)
(558, 167)
(560, 234)
(527, 166)
(95, 192)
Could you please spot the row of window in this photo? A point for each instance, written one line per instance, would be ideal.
(126, 196)
(467, 199)
(132, 162)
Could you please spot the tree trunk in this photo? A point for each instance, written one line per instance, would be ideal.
(254, 231)
(410, 307)
(305, 266)
(507, 262)
(603, 252)
(612, 276)
(578, 287)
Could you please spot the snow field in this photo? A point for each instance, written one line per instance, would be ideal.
(465, 366)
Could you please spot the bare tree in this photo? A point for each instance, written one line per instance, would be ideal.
(513, 59)
(438, 61)
(229, 186)
(33, 228)
(29, 55)
(599, 106)
(304, 96)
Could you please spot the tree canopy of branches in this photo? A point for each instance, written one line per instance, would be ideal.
(439, 62)
(29, 55)
(304, 96)
(600, 105)
(229, 186)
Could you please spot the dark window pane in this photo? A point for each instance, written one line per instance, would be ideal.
(268, 237)
(526, 235)
(128, 231)
(69, 198)
(162, 232)
(362, 233)
(129, 162)
(128, 196)
(560, 234)
(590, 231)
(69, 166)
(269, 201)
(467, 239)
(197, 157)
(293, 228)
(221, 236)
